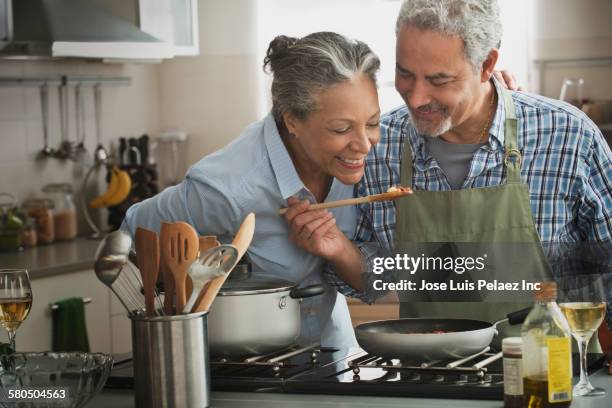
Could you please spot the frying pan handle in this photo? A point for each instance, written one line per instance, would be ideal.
(308, 291)
(518, 317)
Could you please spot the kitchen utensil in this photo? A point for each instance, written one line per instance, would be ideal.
(44, 105)
(67, 149)
(100, 154)
(414, 339)
(115, 271)
(179, 247)
(171, 361)
(147, 252)
(388, 196)
(210, 264)
(242, 240)
(79, 375)
(256, 316)
(206, 242)
(122, 149)
(79, 112)
(164, 269)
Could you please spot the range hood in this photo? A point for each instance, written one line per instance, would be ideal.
(73, 28)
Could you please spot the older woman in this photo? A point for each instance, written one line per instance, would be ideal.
(312, 146)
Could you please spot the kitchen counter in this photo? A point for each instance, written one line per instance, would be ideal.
(125, 399)
(53, 259)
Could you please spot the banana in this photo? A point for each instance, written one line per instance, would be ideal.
(113, 186)
(118, 190)
(123, 191)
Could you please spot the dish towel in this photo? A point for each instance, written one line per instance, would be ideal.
(69, 329)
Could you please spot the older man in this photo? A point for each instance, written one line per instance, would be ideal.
(486, 164)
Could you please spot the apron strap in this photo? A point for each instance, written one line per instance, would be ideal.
(406, 167)
(512, 155)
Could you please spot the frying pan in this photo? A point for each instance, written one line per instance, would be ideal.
(412, 339)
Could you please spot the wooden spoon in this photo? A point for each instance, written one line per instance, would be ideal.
(147, 253)
(179, 248)
(242, 240)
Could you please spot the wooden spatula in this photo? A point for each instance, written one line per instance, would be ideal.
(242, 240)
(164, 270)
(147, 253)
(179, 249)
(206, 242)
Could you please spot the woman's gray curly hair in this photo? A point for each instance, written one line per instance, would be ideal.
(476, 22)
(302, 66)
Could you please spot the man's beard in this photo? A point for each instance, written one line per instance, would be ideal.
(431, 129)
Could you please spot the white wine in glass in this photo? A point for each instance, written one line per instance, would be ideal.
(583, 304)
(15, 300)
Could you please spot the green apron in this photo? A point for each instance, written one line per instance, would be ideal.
(499, 214)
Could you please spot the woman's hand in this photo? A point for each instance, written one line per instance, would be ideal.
(507, 79)
(314, 231)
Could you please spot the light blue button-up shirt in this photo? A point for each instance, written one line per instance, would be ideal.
(254, 173)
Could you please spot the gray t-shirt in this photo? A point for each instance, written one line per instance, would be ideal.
(454, 159)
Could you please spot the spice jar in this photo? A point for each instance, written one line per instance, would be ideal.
(41, 210)
(512, 349)
(64, 212)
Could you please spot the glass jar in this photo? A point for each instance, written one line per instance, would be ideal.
(29, 236)
(11, 224)
(64, 211)
(41, 210)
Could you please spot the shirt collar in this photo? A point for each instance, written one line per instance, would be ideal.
(285, 173)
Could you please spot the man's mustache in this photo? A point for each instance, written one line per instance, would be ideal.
(431, 107)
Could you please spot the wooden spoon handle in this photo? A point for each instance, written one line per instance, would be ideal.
(242, 240)
(147, 252)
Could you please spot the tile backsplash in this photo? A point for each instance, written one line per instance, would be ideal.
(126, 111)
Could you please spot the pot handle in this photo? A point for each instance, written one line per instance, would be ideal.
(308, 291)
(518, 317)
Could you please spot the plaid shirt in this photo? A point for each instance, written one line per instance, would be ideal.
(567, 165)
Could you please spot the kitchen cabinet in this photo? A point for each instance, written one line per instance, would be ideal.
(383, 309)
(35, 334)
(172, 21)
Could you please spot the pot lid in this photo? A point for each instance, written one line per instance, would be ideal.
(252, 285)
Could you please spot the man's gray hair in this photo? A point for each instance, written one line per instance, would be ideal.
(312, 63)
(476, 22)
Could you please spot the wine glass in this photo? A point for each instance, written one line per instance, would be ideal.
(584, 306)
(15, 300)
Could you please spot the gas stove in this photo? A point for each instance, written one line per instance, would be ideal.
(319, 370)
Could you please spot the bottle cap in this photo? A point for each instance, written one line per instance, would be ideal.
(547, 292)
(512, 345)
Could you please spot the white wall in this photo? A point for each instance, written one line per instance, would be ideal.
(214, 96)
(570, 29)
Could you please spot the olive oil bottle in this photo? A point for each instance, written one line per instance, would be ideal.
(547, 353)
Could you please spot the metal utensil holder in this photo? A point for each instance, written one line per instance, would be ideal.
(171, 361)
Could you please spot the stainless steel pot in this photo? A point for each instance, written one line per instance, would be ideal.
(256, 315)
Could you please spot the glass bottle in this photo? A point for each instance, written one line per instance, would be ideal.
(547, 353)
(64, 212)
(512, 349)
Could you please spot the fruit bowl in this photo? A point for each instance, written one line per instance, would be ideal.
(67, 380)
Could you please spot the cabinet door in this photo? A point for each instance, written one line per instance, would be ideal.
(172, 21)
(35, 333)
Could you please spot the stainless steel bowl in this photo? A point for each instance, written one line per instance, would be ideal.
(80, 375)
